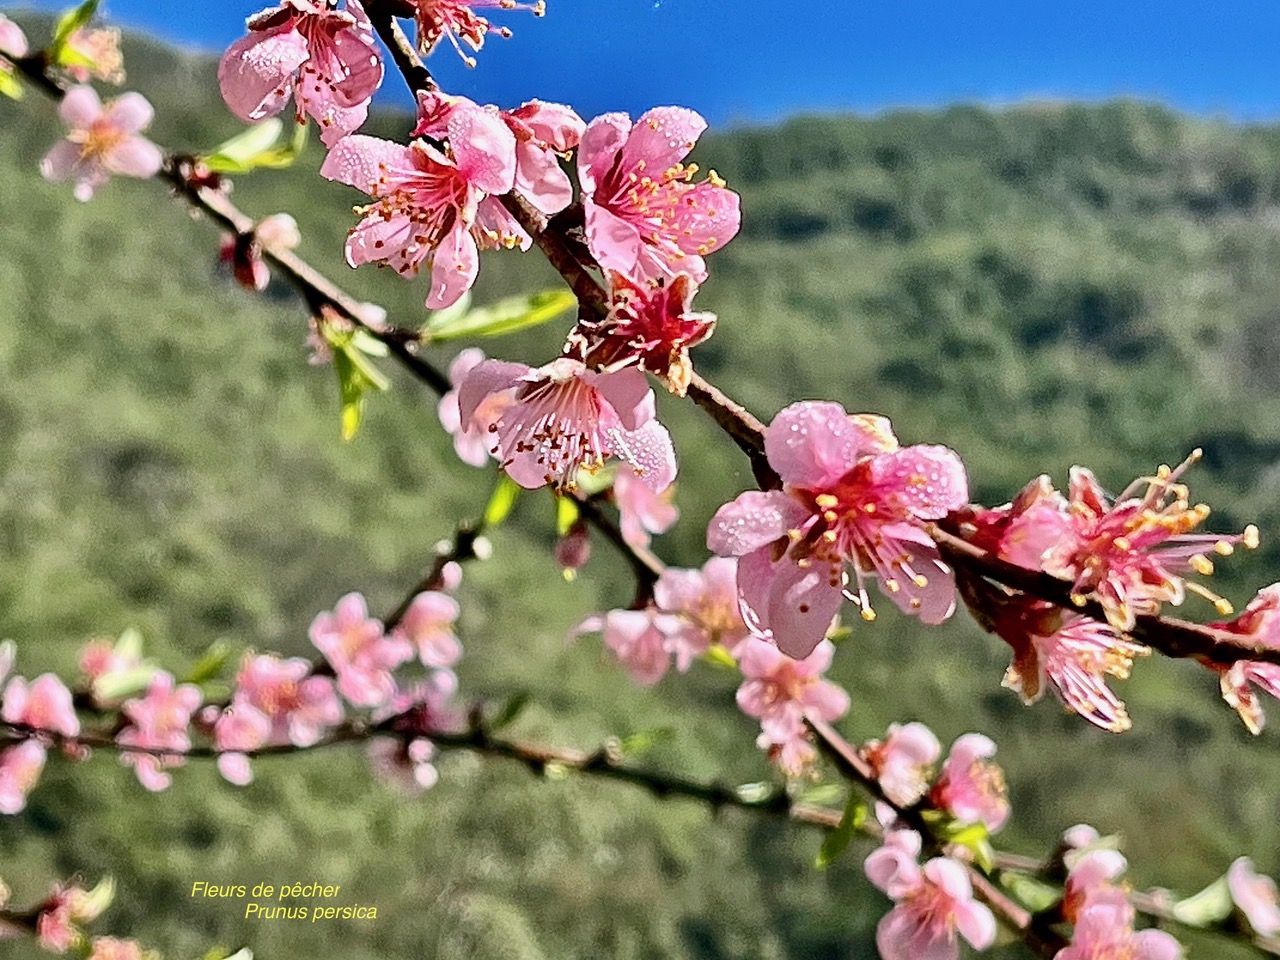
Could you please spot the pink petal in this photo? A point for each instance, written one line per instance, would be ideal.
(628, 392)
(1156, 945)
(488, 377)
(650, 453)
(614, 242)
(256, 73)
(797, 606)
(367, 163)
(976, 924)
(752, 521)
(541, 181)
(485, 148)
(376, 239)
(135, 157)
(80, 108)
(360, 56)
(60, 162)
(13, 41)
(453, 268)
(929, 481)
(662, 138)
(555, 124)
(812, 444)
(129, 113)
(598, 151)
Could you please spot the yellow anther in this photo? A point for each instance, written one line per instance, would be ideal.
(1201, 564)
(868, 614)
(826, 501)
(1123, 543)
(1251, 537)
(920, 580)
(1223, 548)
(830, 516)
(893, 586)
(1223, 606)
(1079, 599)
(829, 536)
(869, 508)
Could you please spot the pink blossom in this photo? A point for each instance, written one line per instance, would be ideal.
(109, 948)
(851, 496)
(470, 439)
(13, 42)
(934, 904)
(360, 653)
(43, 704)
(244, 252)
(239, 728)
(59, 916)
(707, 602)
(102, 141)
(650, 325)
(563, 418)
(971, 787)
(642, 512)
(1255, 896)
(160, 720)
(427, 624)
(1092, 873)
(326, 59)
(20, 767)
(427, 205)
(408, 766)
(543, 133)
(1104, 931)
(639, 638)
(1259, 626)
(904, 761)
(100, 658)
(781, 692)
(98, 53)
(458, 21)
(645, 217)
(1130, 553)
(300, 707)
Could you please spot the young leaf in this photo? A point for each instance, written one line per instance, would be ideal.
(510, 711)
(835, 842)
(258, 146)
(567, 513)
(9, 85)
(1211, 905)
(69, 23)
(1033, 894)
(505, 316)
(210, 664)
(501, 501)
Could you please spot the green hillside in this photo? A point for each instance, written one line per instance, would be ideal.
(1035, 287)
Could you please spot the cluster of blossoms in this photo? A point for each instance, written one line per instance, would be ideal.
(275, 701)
(61, 917)
(695, 612)
(458, 22)
(934, 902)
(1097, 906)
(1131, 554)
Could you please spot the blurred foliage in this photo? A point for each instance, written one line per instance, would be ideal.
(1035, 287)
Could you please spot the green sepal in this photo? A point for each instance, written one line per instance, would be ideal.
(835, 842)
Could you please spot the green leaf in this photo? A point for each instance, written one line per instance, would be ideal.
(835, 842)
(69, 23)
(510, 711)
(129, 646)
(258, 146)
(210, 664)
(1211, 905)
(10, 86)
(356, 377)
(123, 683)
(718, 656)
(91, 905)
(505, 316)
(976, 838)
(501, 501)
(1035, 895)
(567, 514)
(822, 794)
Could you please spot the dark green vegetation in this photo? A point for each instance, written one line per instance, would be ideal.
(1035, 287)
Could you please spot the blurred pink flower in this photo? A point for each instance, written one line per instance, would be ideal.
(639, 638)
(326, 59)
(160, 720)
(428, 625)
(300, 707)
(852, 496)
(781, 692)
(407, 766)
(707, 602)
(904, 761)
(1091, 873)
(1255, 896)
(971, 787)
(563, 418)
(98, 49)
(642, 512)
(470, 439)
(109, 948)
(44, 704)
(20, 767)
(102, 141)
(934, 903)
(360, 653)
(13, 42)
(1104, 931)
(427, 204)
(645, 217)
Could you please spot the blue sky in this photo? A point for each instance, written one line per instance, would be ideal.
(759, 60)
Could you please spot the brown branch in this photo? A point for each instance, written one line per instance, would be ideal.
(382, 14)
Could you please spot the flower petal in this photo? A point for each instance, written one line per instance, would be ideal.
(752, 521)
